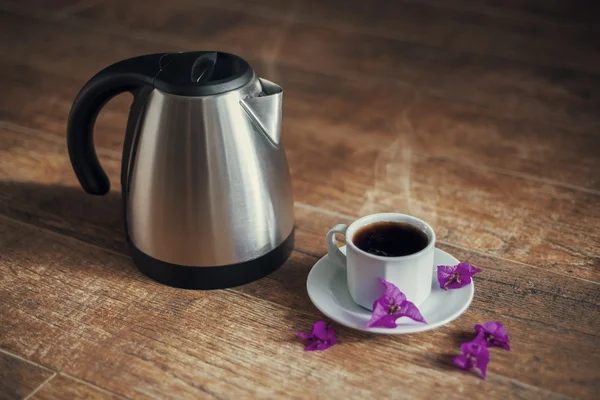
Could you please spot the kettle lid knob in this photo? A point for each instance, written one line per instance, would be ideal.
(202, 73)
(203, 68)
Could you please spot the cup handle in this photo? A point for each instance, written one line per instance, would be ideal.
(332, 249)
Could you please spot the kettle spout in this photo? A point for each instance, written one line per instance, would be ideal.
(265, 109)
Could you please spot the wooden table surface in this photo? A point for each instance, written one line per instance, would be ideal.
(481, 117)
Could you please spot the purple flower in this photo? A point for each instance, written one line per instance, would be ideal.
(492, 333)
(320, 338)
(391, 306)
(474, 354)
(457, 276)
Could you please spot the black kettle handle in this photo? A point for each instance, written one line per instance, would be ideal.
(124, 76)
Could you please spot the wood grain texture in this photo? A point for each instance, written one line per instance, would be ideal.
(80, 50)
(62, 387)
(507, 88)
(158, 340)
(401, 121)
(525, 220)
(460, 131)
(464, 29)
(19, 378)
(539, 224)
(471, 26)
(554, 96)
(206, 25)
(392, 173)
(480, 117)
(439, 126)
(540, 44)
(579, 13)
(46, 5)
(523, 297)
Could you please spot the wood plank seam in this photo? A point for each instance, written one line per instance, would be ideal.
(167, 39)
(529, 320)
(262, 11)
(521, 175)
(37, 201)
(444, 4)
(127, 257)
(501, 13)
(117, 156)
(241, 294)
(35, 133)
(10, 354)
(351, 217)
(308, 253)
(40, 386)
(153, 37)
(55, 373)
(106, 391)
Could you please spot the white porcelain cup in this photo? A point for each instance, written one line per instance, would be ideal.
(412, 274)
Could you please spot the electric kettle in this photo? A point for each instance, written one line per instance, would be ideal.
(205, 185)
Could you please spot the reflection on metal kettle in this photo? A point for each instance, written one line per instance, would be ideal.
(206, 190)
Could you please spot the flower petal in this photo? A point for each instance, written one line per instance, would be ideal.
(497, 332)
(455, 285)
(482, 361)
(379, 311)
(321, 337)
(385, 283)
(466, 347)
(392, 292)
(387, 321)
(462, 362)
(478, 350)
(319, 330)
(324, 346)
(443, 274)
(411, 311)
(384, 301)
(496, 329)
(447, 275)
(312, 347)
(492, 327)
(304, 336)
(466, 269)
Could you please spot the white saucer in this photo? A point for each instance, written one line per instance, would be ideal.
(327, 289)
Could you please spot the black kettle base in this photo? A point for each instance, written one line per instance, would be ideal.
(206, 278)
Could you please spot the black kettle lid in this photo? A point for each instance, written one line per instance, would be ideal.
(201, 73)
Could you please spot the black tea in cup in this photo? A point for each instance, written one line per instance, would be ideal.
(390, 239)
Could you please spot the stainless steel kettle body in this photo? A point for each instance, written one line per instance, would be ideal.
(207, 196)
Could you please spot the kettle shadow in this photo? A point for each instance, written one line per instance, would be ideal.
(98, 220)
(67, 210)
(70, 211)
